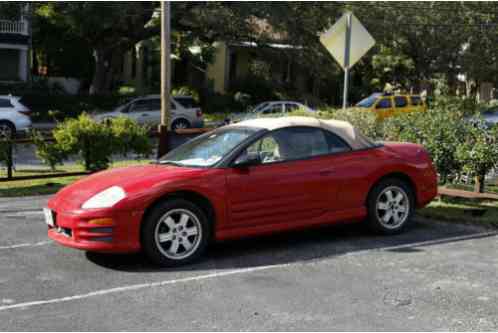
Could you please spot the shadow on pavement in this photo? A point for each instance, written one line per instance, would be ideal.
(298, 246)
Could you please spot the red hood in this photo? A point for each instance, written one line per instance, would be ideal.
(132, 179)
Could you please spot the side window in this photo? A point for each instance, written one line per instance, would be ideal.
(335, 143)
(274, 108)
(291, 107)
(416, 100)
(384, 103)
(146, 105)
(5, 103)
(400, 101)
(290, 144)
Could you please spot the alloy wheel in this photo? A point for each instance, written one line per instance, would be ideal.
(180, 125)
(392, 207)
(178, 234)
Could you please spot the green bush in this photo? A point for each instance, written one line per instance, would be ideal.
(129, 136)
(92, 142)
(478, 152)
(440, 129)
(50, 153)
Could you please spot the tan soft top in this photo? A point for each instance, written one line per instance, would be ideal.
(341, 128)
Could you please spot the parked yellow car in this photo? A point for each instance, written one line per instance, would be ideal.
(389, 105)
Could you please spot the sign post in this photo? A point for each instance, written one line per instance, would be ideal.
(347, 40)
(165, 78)
(347, 50)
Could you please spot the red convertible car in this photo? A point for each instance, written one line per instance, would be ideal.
(255, 177)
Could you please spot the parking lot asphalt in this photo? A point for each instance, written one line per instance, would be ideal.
(435, 276)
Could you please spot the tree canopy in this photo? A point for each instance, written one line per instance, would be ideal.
(416, 41)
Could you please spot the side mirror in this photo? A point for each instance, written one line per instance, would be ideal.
(247, 160)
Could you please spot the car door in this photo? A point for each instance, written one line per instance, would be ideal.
(384, 107)
(288, 185)
(146, 111)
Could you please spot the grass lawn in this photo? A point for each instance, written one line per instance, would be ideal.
(20, 188)
(462, 211)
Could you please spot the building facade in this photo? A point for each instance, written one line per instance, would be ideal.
(14, 50)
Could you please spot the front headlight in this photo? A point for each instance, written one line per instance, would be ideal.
(106, 198)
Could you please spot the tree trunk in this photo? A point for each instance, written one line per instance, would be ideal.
(479, 184)
(99, 75)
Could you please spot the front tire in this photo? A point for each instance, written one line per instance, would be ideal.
(391, 205)
(175, 233)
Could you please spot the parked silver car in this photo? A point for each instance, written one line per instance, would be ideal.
(185, 112)
(270, 109)
(14, 116)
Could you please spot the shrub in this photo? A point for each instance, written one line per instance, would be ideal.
(129, 136)
(478, 152)
(92, 142)
(50, 153)
(440, 130)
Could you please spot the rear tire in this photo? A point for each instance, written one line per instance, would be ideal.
(180, 124)
(175, 233)
(391, 205)
(7, 130)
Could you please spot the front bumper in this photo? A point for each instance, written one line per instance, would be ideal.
(72, 229)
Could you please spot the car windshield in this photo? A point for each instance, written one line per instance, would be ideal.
(208, 149)
(369, 101)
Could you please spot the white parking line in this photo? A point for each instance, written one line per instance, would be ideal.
(16, 246)
(225, 273)
(426, 243)
(140, 286)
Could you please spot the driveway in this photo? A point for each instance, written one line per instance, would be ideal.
(436, 276)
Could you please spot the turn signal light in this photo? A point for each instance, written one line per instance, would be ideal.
(102, 222)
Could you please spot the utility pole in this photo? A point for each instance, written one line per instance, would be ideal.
(347, 52)
(165, 77)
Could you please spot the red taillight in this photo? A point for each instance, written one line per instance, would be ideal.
(199, 113)
(26, 112)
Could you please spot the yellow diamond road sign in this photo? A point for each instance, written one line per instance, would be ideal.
(334, 40)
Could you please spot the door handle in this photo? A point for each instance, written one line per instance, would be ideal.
(144, 115)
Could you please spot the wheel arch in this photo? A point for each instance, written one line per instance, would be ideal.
(9, 122)
(396, 175)
(195, 197)
(182, 118)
